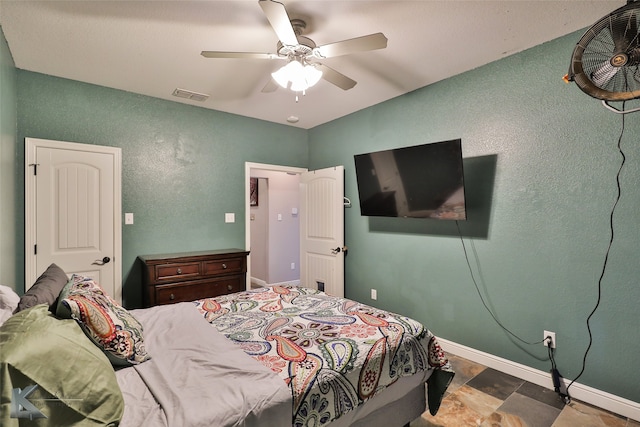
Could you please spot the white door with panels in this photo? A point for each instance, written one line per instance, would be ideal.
(322, 247)
(73, 211)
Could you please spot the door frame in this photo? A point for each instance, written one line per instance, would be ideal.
(247, 208)
(31, 146)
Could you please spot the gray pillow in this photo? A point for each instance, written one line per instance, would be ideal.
(45, 290)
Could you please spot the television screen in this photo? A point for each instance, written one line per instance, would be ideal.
(422, 181)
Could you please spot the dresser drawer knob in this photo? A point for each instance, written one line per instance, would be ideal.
(224, 265)
(229, 287)
(179, 271)
(172, 297)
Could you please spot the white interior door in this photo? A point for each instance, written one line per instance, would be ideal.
(73, 211)
(322, 230)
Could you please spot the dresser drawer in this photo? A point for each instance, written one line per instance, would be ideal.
(177, 271)
(189, 276)
(191, 291)
(231, 265)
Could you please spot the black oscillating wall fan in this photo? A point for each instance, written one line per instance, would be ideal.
(606, 61)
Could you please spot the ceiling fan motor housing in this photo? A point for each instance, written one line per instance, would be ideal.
(304, 47)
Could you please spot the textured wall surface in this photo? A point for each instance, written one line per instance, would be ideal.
(182, 166)
(8, 129)
(540, 167)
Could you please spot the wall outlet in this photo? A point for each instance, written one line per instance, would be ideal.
(374, 294)
(553, 339)
(293, 265)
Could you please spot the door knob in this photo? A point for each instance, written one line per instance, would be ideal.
(338, 250)
(102, 261)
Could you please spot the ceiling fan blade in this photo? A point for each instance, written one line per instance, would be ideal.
(239, 55)
(271, 86)
(359, 44)
(279, 20)
(336, 78)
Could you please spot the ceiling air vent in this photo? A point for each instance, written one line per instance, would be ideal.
(189, 94)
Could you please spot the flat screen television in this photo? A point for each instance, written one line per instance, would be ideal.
(422, 181)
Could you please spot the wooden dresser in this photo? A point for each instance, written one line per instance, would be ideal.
(189, 276)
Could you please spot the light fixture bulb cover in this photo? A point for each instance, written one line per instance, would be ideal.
(296, 76)
(312, 74)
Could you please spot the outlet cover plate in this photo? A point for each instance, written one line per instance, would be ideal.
(553, 339)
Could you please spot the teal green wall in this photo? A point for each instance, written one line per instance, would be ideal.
(183, 166)
(538, 225)
(8, 129)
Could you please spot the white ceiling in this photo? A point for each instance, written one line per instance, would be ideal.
(153, 47)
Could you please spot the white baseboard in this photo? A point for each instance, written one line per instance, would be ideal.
(584, 393)
(259, 282)
(289, 282)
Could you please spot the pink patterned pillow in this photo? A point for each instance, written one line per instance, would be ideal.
(110, 326)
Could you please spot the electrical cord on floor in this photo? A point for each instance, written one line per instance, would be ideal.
(475, 283)
(555, 374)
(606, 257)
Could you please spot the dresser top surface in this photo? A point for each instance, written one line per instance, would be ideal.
(230, 251)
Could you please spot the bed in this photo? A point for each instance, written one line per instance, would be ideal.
(275, 356)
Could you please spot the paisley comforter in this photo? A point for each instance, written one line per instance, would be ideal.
(333, 353)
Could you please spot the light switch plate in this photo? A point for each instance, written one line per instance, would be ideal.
(229, 217)
(128, 218)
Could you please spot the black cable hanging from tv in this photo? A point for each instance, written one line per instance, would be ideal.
(486, 306)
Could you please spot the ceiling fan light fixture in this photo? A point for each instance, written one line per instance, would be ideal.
(296, 76)
(312, 74)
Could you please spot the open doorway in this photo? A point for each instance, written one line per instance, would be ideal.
(272, 231)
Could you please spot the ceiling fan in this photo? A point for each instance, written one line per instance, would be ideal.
(301, 53)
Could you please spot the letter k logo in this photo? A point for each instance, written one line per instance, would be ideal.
(21, 407)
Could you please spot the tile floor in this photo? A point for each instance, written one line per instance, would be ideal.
(481, 396)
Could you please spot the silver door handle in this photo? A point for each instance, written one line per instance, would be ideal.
(339, 249)
(102, 261)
